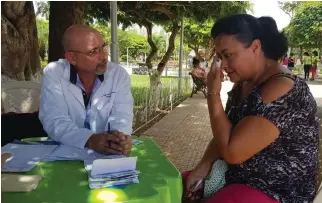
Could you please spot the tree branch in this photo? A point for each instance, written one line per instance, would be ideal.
(154, 49)
(163, 9)
(171, 47)
(171, 3)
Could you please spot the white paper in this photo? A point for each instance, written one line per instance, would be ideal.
(98, 185)
(136, 142)
(64, 152)
(30, 152)
(104, 166)
(24, 157)
(18, 165)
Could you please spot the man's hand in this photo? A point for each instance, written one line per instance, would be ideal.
(125, 142)
(105, 143)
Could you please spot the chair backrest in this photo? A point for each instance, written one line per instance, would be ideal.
(194, 78)
(20, 96)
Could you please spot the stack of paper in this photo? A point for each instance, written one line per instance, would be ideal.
(111, 172)
(24, 157)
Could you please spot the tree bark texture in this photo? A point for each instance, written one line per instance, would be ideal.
(154, 49)
(155, 77)
(62, 14)
(171, 47)
(19, 44)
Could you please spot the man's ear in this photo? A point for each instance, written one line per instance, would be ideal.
(256, 46)
(70, 57)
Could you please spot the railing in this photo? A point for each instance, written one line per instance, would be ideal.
(151, 103)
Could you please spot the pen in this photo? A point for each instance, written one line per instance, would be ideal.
(109, 132)
(108, 127)
(196, 185)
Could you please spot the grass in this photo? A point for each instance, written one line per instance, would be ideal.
(143, 99)
(140, 84)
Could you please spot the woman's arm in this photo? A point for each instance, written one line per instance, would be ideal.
(248, 137)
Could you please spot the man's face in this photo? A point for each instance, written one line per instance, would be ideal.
(89, 54)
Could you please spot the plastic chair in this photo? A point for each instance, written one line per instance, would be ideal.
(20, 96)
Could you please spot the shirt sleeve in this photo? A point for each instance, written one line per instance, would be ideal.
(121, 116)
(289, 110)
(53, 112)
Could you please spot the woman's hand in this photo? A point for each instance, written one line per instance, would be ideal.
(215, 78)
(199, 173)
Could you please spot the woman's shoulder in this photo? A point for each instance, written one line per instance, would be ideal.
(277, 87)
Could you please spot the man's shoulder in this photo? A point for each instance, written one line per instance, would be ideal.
(116, 69)
(56, 67)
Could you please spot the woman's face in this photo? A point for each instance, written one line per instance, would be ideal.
(238, 61)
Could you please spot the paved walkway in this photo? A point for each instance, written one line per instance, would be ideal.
(184, 133)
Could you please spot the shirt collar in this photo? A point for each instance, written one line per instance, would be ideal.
(73, 75)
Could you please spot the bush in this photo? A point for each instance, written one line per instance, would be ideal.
(43, 63)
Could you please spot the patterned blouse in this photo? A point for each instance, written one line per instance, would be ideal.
(287, 169)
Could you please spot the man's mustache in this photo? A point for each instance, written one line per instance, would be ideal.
(102, 63)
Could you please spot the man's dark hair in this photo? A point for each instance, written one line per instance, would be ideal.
(195, 61)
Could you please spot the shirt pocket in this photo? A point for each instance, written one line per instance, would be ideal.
(105, 105)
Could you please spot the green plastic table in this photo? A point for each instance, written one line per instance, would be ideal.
(67, 182)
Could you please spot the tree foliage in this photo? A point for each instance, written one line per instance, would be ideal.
(165, 13)
(197, 35)
(305, 29)
(289, 7)
(43, 9)
(43, 34)
(168, 14)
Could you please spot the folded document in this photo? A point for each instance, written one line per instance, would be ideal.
(111, 172)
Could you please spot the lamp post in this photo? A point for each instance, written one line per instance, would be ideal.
(127, 56)
(114, 44)
(181, 57)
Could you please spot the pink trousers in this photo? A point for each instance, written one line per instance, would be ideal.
(239, 193)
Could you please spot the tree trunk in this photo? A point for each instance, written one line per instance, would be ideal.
(19, 44)
(171, 47)
(155, 76)
(196, 49)
(301, 54)
(62, 14)
(154, 48)
(210, 51)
